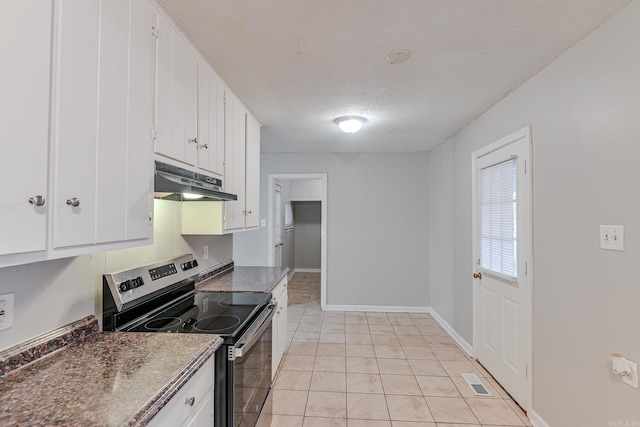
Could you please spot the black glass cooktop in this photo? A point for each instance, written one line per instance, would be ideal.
(222, 313)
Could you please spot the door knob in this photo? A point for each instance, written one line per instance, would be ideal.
(477, 276)
(37, 200)
(73, 202)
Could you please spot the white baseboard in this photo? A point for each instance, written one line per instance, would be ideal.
(377, 308)
(306, 270)
(468, 348)
(536, 420)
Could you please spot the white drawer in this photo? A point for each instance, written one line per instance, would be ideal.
(280, 289)
(179, 409)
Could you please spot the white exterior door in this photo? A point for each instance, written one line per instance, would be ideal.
(502, 264)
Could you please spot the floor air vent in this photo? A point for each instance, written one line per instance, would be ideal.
(476, 385)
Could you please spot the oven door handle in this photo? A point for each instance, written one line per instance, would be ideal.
(253, 334)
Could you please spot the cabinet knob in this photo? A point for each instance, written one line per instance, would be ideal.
(190, 401)
(205, 146)
(37, 200)
(75, 202)
(249, 212)
(194, 140)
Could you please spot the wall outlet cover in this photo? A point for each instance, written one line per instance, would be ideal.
(6, 311)
(632, 379)
(205, 252)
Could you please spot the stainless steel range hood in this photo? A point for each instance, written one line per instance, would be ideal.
(175, 183)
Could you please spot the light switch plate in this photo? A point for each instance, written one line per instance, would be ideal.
(6, 311)
(612, 237)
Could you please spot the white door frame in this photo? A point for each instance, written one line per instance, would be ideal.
(323, 226)
(520, 134)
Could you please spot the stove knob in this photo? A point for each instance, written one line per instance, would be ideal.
(140, 281)
(124, 286)
(194, 263)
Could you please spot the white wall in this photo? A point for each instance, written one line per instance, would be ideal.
(51, 294)
(376, 225)
(585, 112)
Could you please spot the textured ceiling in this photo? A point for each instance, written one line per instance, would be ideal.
(299, 64)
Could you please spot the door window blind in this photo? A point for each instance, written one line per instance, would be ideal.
(498, 208)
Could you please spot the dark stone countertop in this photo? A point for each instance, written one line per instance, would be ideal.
(244, 279)
(95, 378)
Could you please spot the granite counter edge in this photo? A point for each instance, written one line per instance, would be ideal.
(157, 402)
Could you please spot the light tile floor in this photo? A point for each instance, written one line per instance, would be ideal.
(364, 369)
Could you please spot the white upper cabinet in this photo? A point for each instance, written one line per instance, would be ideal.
(91, 141)
(25, 43)
(234, 160)
(103, 124)
(176, 118)
(75, 117)
(252, 173)
(210, 120)
(139, 185)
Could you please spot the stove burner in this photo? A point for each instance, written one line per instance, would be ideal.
(162, 323)
(216, 323)
(240, 299)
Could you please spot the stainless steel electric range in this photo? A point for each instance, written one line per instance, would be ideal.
(162, 298)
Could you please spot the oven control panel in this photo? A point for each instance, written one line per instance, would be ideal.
(128, 287)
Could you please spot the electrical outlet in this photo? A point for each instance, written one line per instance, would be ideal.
(6, 311)
(632, 379)
(612, 237)
(205, 252)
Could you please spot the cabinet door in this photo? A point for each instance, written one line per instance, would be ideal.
(76, 122)
(139, 187)
(203, 416)
(282, 325)
(25, 43)
(210, 120)
(164, 89)
(234, 160)
(177, 96)
(189, 86)
(111, 162)
(252, 173)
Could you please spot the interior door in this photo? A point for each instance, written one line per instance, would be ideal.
(277, 227)
(502, 249)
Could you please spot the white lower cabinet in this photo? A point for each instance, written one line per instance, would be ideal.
(192, 406)
(279, 325)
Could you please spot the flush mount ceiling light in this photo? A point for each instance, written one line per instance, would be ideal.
(398, 55)
(350, 124)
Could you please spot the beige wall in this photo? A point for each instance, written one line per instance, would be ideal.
(584, 109)
(54, 293)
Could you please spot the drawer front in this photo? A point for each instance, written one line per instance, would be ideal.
(280, 289)
(179, 410)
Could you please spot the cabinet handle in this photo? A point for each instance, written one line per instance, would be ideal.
(194, 140)
(75, 202)
(249, 212)
(37, 200)
(205, 146)
(190, 401)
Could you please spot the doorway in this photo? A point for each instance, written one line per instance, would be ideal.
(502, 262)
(275, 233)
